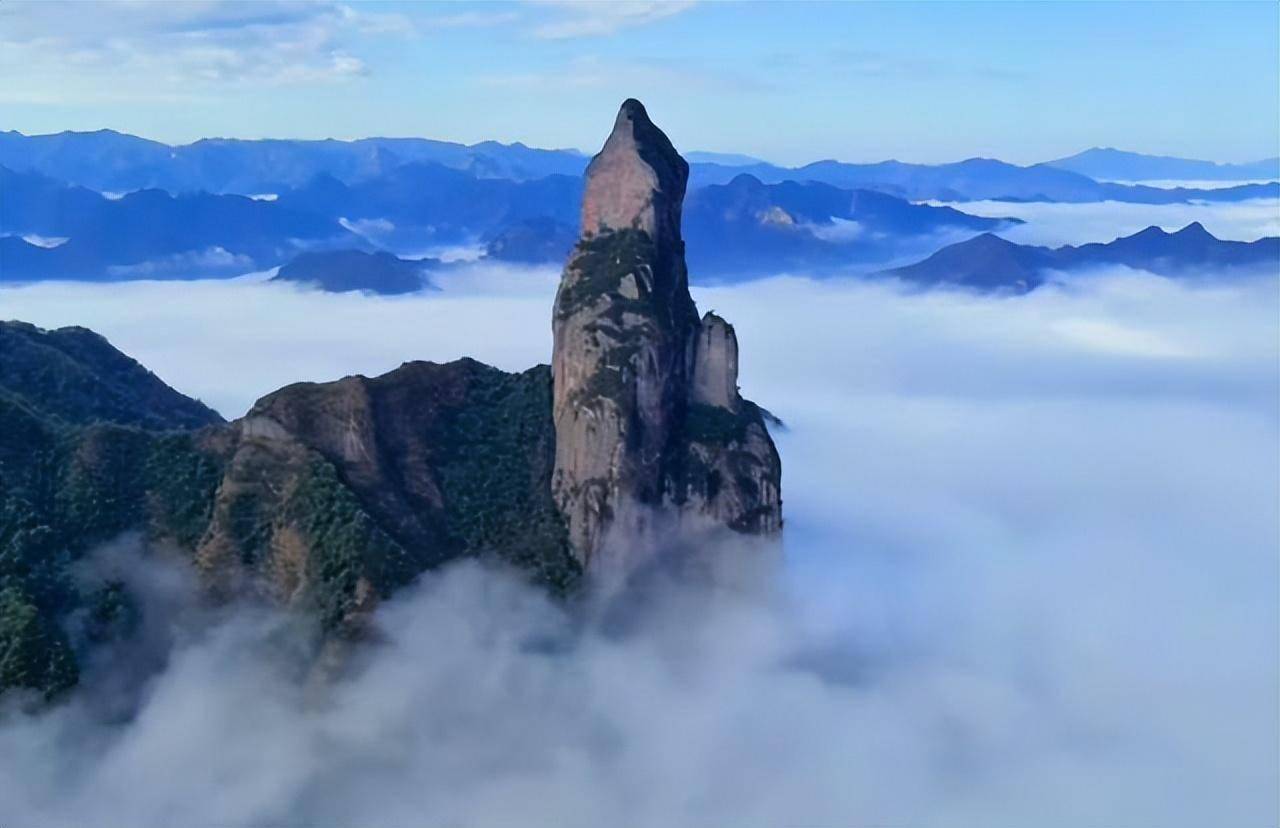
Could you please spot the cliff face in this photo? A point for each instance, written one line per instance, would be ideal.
(649, 423)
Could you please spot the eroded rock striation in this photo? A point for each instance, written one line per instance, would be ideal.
(650, 428)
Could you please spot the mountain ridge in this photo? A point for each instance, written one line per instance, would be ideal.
(1108, 163)
(988, 262)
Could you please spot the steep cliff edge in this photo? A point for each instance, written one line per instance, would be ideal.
(650, 428)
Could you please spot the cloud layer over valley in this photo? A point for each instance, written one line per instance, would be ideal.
(1053, 225)
(1029, 578)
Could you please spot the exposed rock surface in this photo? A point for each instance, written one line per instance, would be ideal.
(715, 364)
(649, 422)
(336, 493)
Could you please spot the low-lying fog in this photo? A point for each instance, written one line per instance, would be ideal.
(1030, 579)
(1053, 225)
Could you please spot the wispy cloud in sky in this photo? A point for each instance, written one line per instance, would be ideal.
(852, 81)
(162, 49)
(582, 18)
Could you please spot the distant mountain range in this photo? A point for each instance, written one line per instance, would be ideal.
(1108, 164)
(110, 161)
(425, 202)
(146, 234)
(726, 159)
(741, 229)
(109, 206)
(749, 228)
(988, 262)
(976, 179)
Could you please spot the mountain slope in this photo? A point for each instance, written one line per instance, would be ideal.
(77, 468)
(324, 499)
(77, 377)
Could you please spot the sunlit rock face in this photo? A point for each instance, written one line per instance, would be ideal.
(651, 432)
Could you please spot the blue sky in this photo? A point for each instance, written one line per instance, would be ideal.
(788, 82)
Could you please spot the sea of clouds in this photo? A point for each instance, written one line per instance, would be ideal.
(1029, 578)
(1054, 224)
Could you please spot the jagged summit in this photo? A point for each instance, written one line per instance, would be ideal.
(637, 180)
(651, 432)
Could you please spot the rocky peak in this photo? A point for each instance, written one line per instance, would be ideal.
(649, 425)
(715, 364)
(637, 181)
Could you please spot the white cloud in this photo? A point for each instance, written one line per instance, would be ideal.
(45, 241)
(1194, 184)
(595, 18)
(1054, 225)
(211, 258)
(167, 51)
(1029, 579)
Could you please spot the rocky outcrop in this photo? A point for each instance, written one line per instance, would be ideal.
(650, 428)
(715, 364)
(334, 494)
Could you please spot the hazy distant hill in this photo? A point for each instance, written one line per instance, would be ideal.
(726, 159)
(410, 195)
(749, 228)
(741, 229)
(114, 162)
(148, 233)
(973, 180)
(988, 262)
(445, 203)
(340, 271)
(1117, 165)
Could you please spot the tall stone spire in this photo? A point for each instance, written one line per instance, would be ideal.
(648, 418)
